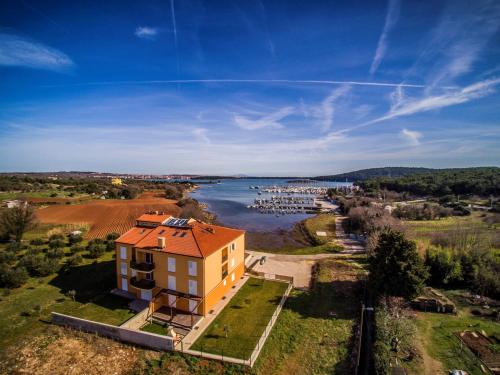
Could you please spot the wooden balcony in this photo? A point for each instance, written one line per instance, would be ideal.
(142, 283)
(142, 266)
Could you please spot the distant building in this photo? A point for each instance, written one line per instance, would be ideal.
(182, 264)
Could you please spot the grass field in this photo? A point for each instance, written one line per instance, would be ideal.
(25, 311)
(438, 335)
(314, 332)
(245, 318)
(323, 223)
(44, 194)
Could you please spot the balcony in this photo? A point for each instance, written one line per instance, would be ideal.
(142, 283)
(142, 266)
(224, 258)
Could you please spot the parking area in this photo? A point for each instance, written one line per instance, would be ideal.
(297, 266)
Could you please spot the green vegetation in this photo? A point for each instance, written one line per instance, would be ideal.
(314, 332)
(237, 329)
(321, 223)
(482, 181)
(365, 174)
(438, 332)
(155, 328)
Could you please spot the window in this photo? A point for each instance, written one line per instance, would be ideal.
(124, 285)
(171, 264)
(193, 287)
(149, 257)
(224, 270)
(133, 272)
(192, 268)
(149, 276)
(224, 282)
(232, 276)
(232, 262)
(123, 252)
(124, 268)
(171, 282)
(232, 247)
(224, 255)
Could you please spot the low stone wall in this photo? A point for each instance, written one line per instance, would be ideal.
(271, 276)
(145, 339)
(137, 321)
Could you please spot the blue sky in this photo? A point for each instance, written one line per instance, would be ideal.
(255, 87)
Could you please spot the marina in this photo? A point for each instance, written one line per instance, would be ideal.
(251, 204)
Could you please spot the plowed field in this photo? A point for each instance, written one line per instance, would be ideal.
(106, 216)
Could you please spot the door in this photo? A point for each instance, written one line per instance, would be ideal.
(171, 282)
(193, 287)
(146, 295)
(192, 306)
(124, 285)
(172, 301)
(149, 258)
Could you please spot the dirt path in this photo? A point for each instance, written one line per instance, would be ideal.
(430, 365)
(351, 245)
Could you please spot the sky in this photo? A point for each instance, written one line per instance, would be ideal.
(268, 88)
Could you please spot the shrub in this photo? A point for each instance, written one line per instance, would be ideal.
(56, 243)
(37, 242)
(75, 238)
(7, 256)
(56, 253)
(39, 265)
(13, 246)
(48, 267)
(56, 236)
(77, 248)
(112, 236)
(75, 260)
(96, 249)
(13, 277)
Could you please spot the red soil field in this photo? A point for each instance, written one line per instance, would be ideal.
(106, 216)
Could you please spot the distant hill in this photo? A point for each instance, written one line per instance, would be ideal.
(482, 181)
(365, 174)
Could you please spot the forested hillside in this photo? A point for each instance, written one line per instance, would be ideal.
(483, 181)
(365, 174)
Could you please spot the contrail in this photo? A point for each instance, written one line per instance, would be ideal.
(172, 9)
(258, 81)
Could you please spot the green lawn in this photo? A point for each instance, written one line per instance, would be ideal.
(245, 318)
(438, 334)
(155, 328)
(329, 248)
(42, 194)
(92, 282)
(313, 334)
(323, 223)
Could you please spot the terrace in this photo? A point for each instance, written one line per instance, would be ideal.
(142, 283)
(142, 266)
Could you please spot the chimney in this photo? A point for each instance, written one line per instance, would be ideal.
(161, 242)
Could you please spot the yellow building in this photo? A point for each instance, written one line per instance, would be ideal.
(181, 264)
(116, 181)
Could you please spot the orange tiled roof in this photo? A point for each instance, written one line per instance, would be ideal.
(196, 239)
(153, 218)
(134, 235)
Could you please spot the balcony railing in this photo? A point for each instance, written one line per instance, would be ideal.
(224, 274)
(142, 266)
(142, 283)
(224, 258)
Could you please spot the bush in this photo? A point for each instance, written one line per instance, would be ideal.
(382, 358)
(56, 253)
(75, 260)
(37, 242)
(39, 265)
(112, 236)
(56, 244)
(13, 277)
(96, 249)
(7, 256)
(73, 239)
(56, 236)
(77, 248)
(13, 246)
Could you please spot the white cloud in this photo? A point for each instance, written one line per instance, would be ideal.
(200, 134)
(411, 136)
(18, 51)
(390, 20)
(146, 32)
(271, 120)
(327, 109)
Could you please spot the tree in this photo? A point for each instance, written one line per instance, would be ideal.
(173, 192)
(395, 267)
(12, 277)
(17, 220)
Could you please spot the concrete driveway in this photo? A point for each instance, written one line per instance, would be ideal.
(297, 266)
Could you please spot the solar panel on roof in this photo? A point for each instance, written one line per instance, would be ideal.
(175, 222)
